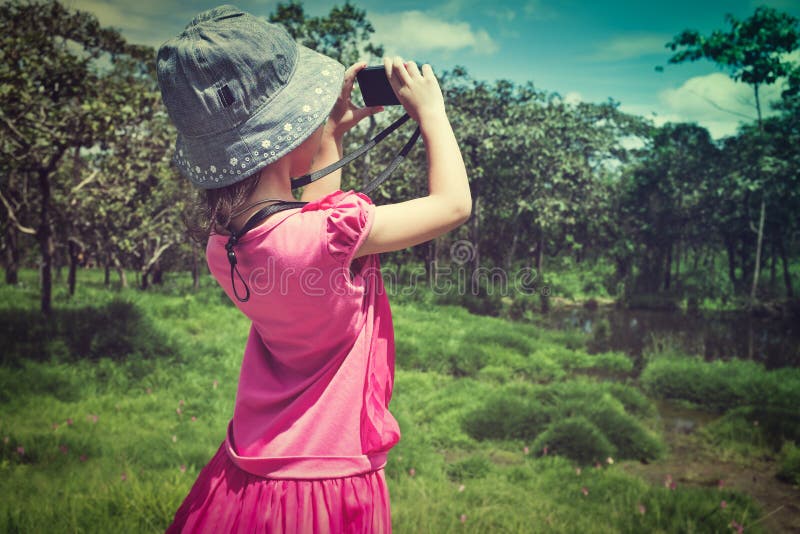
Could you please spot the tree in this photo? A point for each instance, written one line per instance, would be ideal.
(55, 96)
(343, 35)
(754, 51)
(664, 202)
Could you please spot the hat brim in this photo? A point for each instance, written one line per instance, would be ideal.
(274, 130)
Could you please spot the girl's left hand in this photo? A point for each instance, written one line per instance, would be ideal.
(345, 114)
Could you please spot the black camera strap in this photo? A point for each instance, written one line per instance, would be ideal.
(281, 205)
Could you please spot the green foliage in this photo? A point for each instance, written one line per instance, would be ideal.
(117, 417)
(344, 34)
(535, 413)
(66, 84)
(575, 438)
(116, 328)
(469, 468)
(507, 415)
(720, 385)
(753, 430)
(789, 463)
(754, 50)
(758, 51)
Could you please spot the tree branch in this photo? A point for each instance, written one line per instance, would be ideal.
(84, 182)
(21, 142)
(13, 217)
(720, 107)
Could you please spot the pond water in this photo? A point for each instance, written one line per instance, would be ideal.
(775, 342)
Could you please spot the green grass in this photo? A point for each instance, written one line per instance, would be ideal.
(92, 439)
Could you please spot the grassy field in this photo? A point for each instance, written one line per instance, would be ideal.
(110, 410)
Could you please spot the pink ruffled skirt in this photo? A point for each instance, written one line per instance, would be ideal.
(226, 499)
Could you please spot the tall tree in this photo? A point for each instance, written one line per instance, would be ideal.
(55, 98)
(754, 51)
(344, 34)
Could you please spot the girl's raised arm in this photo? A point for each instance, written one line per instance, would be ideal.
(449, 202)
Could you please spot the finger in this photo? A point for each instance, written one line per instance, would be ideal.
(427, 71)
(413, 70)
(361, 113)
(387, 65)
(350, 78)
(400, 70)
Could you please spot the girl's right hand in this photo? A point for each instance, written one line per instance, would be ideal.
(419, 92)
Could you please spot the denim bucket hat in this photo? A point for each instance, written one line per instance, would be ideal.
(242, 94)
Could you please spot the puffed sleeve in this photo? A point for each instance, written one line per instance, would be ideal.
(348, 223)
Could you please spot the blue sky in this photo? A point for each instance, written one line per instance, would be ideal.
(584, 50)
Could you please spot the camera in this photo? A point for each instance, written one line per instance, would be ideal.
(375, 87)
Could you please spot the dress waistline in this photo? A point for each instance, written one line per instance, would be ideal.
(303, 467)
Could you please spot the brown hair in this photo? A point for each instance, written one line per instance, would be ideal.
(212, 209)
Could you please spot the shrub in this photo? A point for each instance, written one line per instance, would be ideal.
(751, 426)
(116, 329)
(499, 374)
(576, 438)
(789, 470)
(522, 411)
(506, 416)
(721, 385)
(629, 437)
(472, 467)
(634, 401)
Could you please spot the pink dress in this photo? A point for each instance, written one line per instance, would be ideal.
(311, 428)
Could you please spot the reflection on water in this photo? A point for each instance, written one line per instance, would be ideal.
(715, 335)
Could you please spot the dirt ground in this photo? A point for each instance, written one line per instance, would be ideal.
(691, 463)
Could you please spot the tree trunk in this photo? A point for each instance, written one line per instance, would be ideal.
(430, 262)
(544, 301)
(195, 269)
(745, 264)
(772, 263)
(729, 246)
(123, 279)
(512, 250)
(12, 254)
(787, 276)
(540, 256)
(44, 235)
(668, 270)
(74, 250)
(475, 232)
(144, 280)
(757, 267)
(158, 274)
(107, 273)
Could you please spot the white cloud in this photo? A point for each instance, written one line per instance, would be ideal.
(573, 98)
(630, 46)
(139, 21)
(713, 101)
(409, 32)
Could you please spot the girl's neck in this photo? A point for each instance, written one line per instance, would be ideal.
(274, 183)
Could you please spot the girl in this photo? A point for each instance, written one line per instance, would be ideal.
(306, 448)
